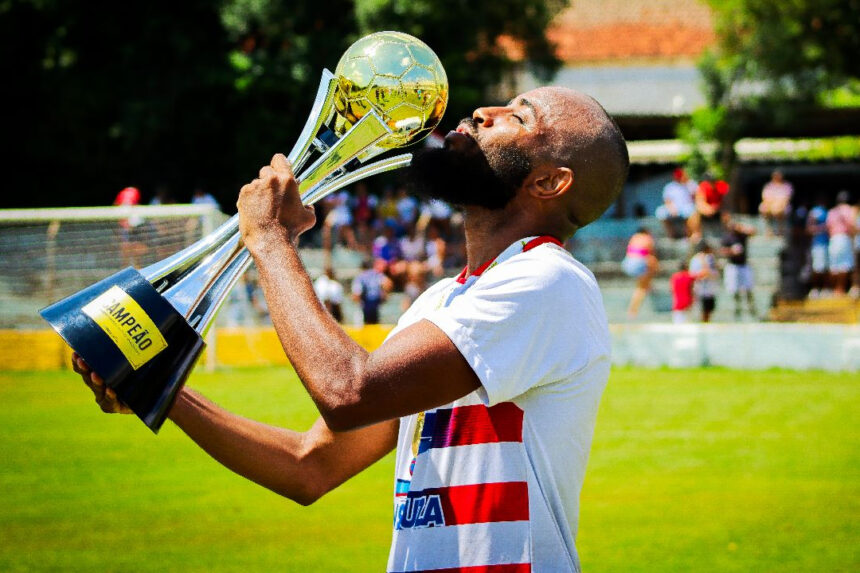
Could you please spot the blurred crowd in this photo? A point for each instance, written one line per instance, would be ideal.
(824, 236)
(404, 243)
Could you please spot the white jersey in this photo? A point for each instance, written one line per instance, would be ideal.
(328, 290)
(492, 480)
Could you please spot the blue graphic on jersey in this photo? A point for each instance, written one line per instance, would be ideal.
(402, 487)
(419, 510)
(426, 440)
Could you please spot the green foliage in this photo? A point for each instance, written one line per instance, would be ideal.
(278, 51)
(774, 60)
(199, 93)
(464, 36)
(98, 98)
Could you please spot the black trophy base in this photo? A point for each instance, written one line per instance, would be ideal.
(133, 338)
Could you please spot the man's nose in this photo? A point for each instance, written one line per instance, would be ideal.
(486, 115)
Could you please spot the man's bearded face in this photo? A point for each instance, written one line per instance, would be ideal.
(465, 172)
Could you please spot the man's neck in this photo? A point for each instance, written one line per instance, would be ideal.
(489, 232)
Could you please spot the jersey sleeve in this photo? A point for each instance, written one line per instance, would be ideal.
(521, 326)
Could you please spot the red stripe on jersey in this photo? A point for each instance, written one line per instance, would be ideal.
(477, 424)
(506, 568)
(485, 502)
(540, 241)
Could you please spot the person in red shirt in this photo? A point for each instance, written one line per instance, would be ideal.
(682, 294)
(131, 248)
(709, 201)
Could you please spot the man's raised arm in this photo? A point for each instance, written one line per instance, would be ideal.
(417, 369)
(301, 466)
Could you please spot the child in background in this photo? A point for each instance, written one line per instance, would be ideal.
(703, 266)
(682, 294)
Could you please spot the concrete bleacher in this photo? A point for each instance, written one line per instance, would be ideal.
(601, 246)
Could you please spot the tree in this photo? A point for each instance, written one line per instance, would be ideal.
(774, 59)
(465, 35)
(101, 99)
(201, 93)
(279, 51)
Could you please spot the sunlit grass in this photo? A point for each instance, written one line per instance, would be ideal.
(693, 470)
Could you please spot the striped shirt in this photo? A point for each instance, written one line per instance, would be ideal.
(490, 483)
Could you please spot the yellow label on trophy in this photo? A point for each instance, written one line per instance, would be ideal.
(126, 323)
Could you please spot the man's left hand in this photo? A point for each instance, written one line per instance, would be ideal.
(270, 206)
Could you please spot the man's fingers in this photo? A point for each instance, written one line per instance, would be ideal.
(265, 173)
(78, 364)
(281, 164)
(105, 397)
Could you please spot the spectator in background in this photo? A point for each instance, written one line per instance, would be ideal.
(678, 204)
(162, 197)
(416, 283)
(709, 202)
(816, 228)
(703, 267)
(386, 247)
(737, 274)
(682, 293)
(370, 288)
(131, 246)
(412, 245)
(438, 213)
(776, 203)
(201, 197)
(337, 226)
(855, 286)
(407, 208)
(841, 227)
(363, 213)
(435, 248)
(387, 209)
(640, 263)
(330, 292)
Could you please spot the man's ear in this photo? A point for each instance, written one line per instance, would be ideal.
(550, 182)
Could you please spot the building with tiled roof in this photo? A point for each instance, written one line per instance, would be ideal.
(636, 57)
(599, 31)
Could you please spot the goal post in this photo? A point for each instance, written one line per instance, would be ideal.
(47, 254)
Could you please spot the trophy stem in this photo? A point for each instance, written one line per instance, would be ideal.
(203, 315)
(166, 273)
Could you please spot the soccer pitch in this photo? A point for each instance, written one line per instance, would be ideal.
(691, 470)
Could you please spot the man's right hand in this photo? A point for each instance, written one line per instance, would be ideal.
(105, 397)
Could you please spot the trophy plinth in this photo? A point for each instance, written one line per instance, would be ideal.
(143, 331)
(133, 337)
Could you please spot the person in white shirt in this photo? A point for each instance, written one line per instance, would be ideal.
(489, 384)
(330, 292)
(678, 203)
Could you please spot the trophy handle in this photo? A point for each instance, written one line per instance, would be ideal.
(201, 292)
(323, 101)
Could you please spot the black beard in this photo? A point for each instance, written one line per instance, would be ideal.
(469, 177)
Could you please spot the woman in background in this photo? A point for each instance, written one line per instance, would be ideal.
(640, 262)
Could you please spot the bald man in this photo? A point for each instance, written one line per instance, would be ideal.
(489, 384)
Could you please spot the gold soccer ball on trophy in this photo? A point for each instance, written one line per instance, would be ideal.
(399, 77)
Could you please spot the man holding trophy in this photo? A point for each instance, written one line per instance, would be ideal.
(489, 384)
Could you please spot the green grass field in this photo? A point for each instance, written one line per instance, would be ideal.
(696, 470)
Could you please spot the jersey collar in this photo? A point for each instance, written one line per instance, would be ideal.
(520, 246)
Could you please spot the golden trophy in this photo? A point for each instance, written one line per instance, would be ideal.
(142, 331)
